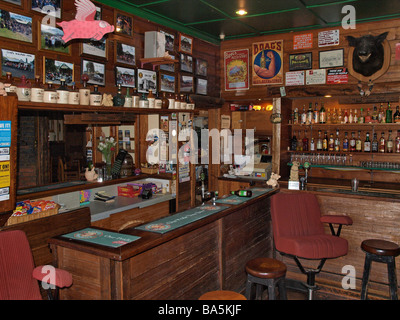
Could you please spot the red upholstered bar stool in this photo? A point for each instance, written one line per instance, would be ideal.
(380, 251)
(222, 295)
(266, 272)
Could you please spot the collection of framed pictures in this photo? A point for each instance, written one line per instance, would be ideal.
(189, 76)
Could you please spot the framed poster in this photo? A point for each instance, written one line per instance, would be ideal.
(18, 63)
(300, 61)
(167, 82)
(16, 26)
(186, 63)
(125, 76)
(201, 67)
(125, 54)
(146, 80)
(267, 62)
(95, 48)
(169, 41)
(236, 69)
(185, 44)
(170, 67)
(186, 84)
(201, 86)
(331, 58)
(123, 23)
(54, 70)
(95, 70)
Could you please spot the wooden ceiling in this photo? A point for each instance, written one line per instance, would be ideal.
(208, 19)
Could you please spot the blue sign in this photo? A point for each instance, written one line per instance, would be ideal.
(5, 134)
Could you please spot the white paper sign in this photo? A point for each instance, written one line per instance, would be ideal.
(295, 78)
(328, 38)
(316, 76)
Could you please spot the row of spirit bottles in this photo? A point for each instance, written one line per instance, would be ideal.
(319, 115)
(348, 143)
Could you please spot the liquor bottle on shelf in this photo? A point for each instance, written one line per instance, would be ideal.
(325, 142)
(368, 118)
(396, 116)
(62, 92)
(351, 116)
(305, 141)
(359, 142)
(381, 115)
(151, 99)
(331, 143)
(334, 116)
(293, 143)
(316, 113)
(361, 118)
(340, 116)
(374, 117)
(128, 99)
(309, 119)
(143, 103)
(329, 117)
(119, 99)
(352, 143)
(171, 100)
(389, 114)
(312, 144)
(242, 193)
(296, 116)
(322, 114)
(158, 101)
(165, 101)
(190, 105)
(355, 119)
(319, 141)
(345, 117)
(135, 99)
(183, 102)
(389, 143)
(9, 85)
(37, 90)
(374, 143)
(84, 93)
(50, 95)
(303, 116)
(24, 89)
(397, 142)
(177, 102)
(345, 143)
(337, 142)
(299, 143)
(382, 143)
(73, 96)
(95, 97)
(367, 143)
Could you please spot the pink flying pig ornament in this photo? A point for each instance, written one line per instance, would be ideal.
(84, 26)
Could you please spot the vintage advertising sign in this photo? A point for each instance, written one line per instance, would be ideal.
(303, 41)
(295, 78)
(236, 63)
(328, 38)
(5, 174)
(316, 76)
(336, 76)
(267, 62)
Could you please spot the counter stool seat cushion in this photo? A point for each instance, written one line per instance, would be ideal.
(380, 247)
(222, 295)
(266, 268)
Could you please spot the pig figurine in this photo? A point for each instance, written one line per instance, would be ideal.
(84, 26)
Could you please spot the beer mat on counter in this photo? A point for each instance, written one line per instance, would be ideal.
(181, 219)
(234, 199)
(101, 237)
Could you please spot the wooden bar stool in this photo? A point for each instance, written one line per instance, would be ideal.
(222, 295)
(380, 251)
(265, 272)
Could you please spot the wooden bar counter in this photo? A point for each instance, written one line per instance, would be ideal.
(205, 255)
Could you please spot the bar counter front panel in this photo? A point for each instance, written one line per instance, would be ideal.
(208, 254)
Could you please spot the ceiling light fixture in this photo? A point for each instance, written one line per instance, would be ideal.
(241, 12)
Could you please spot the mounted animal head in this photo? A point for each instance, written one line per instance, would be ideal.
(368, 53)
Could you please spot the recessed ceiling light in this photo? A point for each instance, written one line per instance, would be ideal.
(241, 12)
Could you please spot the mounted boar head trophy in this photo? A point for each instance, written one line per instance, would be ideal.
(368, 54)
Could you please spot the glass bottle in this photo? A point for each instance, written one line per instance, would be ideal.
(381, 114)
(73, 95)
(382, 143)
(95, 97)
(9, 83)
(331, 143)
(325, 142)
(158, 102)
(329, 117)
(151, 99)
(334, 116)
(351, 117)
(37, 90)
(355, 119)
(309, 119)
(128, 99)
(143, 103)
(367, 143)
(352, 143)
(316, 113)
(374, 143)
(177, 102)
(119, 99)
(337, 142)
(293, 143)
(135, 99)
(305, 141)
(375, 116)
(345, 117)
(389, 116)
(62, 92)
(183, 102)
(361, 118)
(397, 142)
(49, 94)
(340, 116)
(396, 116)
(389, 143)
(171, 100)
(322, 114)
(319, 141)
(189, 103)
(304, 116)
(345, 143)
(368, 118)
(24, 89)
(296, 116)
(359, 142)
(312, 144)
(242, 193)
(165, 101)
(299, 143)
(84, 93)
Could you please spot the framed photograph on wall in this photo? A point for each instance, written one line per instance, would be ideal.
(300, 61)
(201, 86)
(51, 39)
(201, 67)
(146, 80)
(169, 41)
(167, 82)
(185, 44)
(186, 84)
(186, 63)
(16, 26)
(125, 76)
(54, 70)
(95, 70)
(95, 48)
(331, 58)
(125, 54)
(123, 23)
(51, 8)
(18, 63)
(170, 67)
